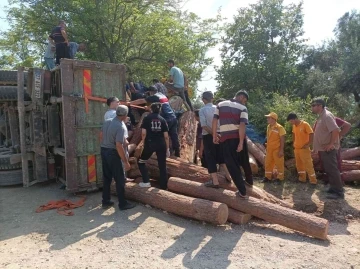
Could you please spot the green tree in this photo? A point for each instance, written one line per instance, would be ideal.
(262, 47)
(141, 34)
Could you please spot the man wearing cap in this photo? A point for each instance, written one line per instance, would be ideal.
(213, 153)
(302, 135)
(166, 112)
(177, 82)
(112, 153)
(275, 135)
(326, 143)
(59, 38)
(232, 116)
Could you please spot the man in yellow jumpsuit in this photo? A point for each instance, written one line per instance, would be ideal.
(303, 136)
(275, 135)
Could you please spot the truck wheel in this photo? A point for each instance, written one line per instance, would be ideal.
(9, 77)
(9, 93)
(12, 177)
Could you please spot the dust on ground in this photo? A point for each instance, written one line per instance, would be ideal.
(145, 237)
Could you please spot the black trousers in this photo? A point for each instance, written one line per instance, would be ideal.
(186, 93)
(62, 51)
(112, 168)
(233, 161)
(213, 153)
(330, 163)
(173, 134)
(160, 150)
(245, 163)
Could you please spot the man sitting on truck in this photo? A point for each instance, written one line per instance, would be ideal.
(74, 48)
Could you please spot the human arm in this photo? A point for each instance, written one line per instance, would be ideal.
(51, 40)
(311, 139)
(138, 102)
(282, 144)
(345, 128)
(201, 150)
(63, 33)
(143, 134)
(121, 152)
(242, 129)
(334, 138)
(166, 137)
(293, 139)
(203, 123)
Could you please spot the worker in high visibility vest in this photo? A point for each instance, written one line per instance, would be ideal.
(302, 135)
(275, 135)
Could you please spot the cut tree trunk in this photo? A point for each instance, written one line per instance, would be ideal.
(261, 147)
(346, 165)
(299, 221)
(195, 208)
(187, 136)
(352, 175)
(238, 217)
(192, 172)
(256, 152)
(253, 164)
(350, 154)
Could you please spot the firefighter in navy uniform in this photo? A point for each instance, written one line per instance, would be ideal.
(154, 133)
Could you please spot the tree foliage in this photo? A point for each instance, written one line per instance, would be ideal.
(143, 34)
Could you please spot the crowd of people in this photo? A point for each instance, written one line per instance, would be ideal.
(60, 47)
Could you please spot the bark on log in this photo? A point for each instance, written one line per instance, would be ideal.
(253, 164)
(346, 165)
(352, 175)
(299, 221)
(238, 217)
(261, 147)
(192, 172)
(131, 149)
(195, 208)
(350, 154)
(187, 136)
(256, 152)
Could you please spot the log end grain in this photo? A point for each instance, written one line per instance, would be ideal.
(238, 217)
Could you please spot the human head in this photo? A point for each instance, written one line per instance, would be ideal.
(62, 23)
(155, 107)
(317, 105)
(122, 112)
(152, 90)
(155, 80)
(112, 102)
(242, 96)
(272, 117)
(197, 117)
(292, 118)
(82, 46)
(207, 97)
(171, 63)
(220, 100)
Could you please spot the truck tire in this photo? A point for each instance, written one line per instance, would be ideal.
(5, 161)
(9, 77)
(9, 93)
(12, 177)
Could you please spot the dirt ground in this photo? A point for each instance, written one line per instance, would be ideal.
(145, 237)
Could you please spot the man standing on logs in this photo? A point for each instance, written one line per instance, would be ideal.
(326, 143)
(166, 112)
(233, 117)
(213, 153)
(112, 153)
(275, 135)
(59, 37)
(303, 136)
(155, 137)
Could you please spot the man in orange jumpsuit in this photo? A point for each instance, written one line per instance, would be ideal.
(302, 135)
(275, 135)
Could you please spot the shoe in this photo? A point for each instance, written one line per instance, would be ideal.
(211, 184)
(242, 196)
(145, 185)
(108, 204)
(127, 206)
(129, 179)
(335, 196)
(249, 183)
(331, 191)
(265, 179)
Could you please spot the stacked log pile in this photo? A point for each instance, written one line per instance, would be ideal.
(187, 196)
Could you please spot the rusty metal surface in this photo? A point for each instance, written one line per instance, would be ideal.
(81, 129)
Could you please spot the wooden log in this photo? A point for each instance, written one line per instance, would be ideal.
(261, 147)
(299, 221)
(253, 164)
(346, 165)
(350, 154)
(187, 136)
(192, 172)
(238, 217)
(350, 176)
(131, 149)
(256, 152)
(195, 208)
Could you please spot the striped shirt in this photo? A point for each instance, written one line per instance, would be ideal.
(230, 114)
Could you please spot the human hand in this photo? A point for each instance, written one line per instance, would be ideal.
(280, 153)
(216, 139)
(329, 147)
(306, 146)
(127, 166)
(167, 153)
(240, 147)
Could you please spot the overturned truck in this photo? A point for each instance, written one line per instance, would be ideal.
(57, 126)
